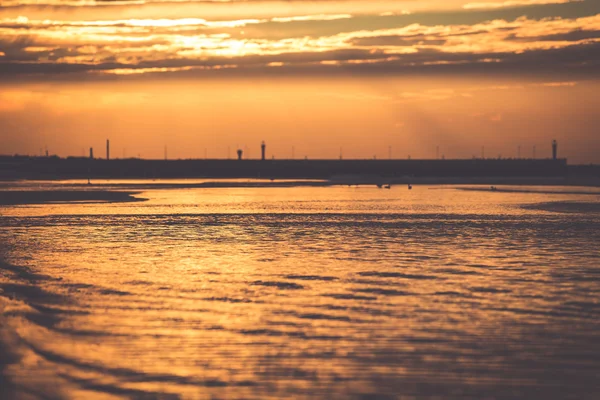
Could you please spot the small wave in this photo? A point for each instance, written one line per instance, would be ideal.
(299, 335)
(397, 275)
(128, 374)
(90, 384)
(540, 313)
(58, 311)
(349, 296)
(575, 277)
(316, 316)
(371, 312)
(378, 282)
(288, 323)
(90, 333)
(113, 292)
(279, 285)
(385, 292)
(454, 271)
(75, 287)
(138, 283)
(584, 305)
(311, 277)
(29, 293)
(452, 294)
(489, 290)
(228, 300)
(482, 266)
(262, 332)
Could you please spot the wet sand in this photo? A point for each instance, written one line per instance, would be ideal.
(566, 207)
(7, 388)
(22, 297)
(8, 340)
(543, 191)
(65, 196)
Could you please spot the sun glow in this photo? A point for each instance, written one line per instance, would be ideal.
(533, 45)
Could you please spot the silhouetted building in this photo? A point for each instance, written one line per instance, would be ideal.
(263, 147)
(554, 149)
(381, 171)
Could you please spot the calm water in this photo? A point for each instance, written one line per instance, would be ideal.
(332, 292)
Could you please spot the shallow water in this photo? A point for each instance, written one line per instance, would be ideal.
(327, 292)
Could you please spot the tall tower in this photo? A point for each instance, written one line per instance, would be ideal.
(554, 149)
(239, 153)
(263, 147)
(107, 149)
(91, 153)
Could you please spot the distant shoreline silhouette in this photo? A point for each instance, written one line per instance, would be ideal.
(392, 171)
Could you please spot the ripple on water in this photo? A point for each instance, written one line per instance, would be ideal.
(317, 316)
(479, 299)
(312, 277)
(384, 292)
(489, 290)
(397, 275)
(279, 285)
(349, 296)
(455, 271)
(293, 334)
(113, 292)
(453, 294)
(230, 300)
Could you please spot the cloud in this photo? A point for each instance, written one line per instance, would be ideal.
(196, 45)
(514, 3)
(320, 17)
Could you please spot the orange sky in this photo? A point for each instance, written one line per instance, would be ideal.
(362, 75)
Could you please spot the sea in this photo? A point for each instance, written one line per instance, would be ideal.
(334, 292)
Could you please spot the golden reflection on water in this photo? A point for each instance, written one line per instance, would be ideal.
(303, 293)
(337, 199)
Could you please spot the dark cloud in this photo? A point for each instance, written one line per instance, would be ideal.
(397, 41)
(573, 62)
(574, 36)
(363, 45)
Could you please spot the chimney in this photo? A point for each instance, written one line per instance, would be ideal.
(107, 149)
(91, 153)
(554, 149)
(239, 153)
(263, 147)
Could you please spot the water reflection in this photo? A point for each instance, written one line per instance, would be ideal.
(303, 292)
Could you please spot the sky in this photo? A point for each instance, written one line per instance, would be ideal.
(316, 79)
